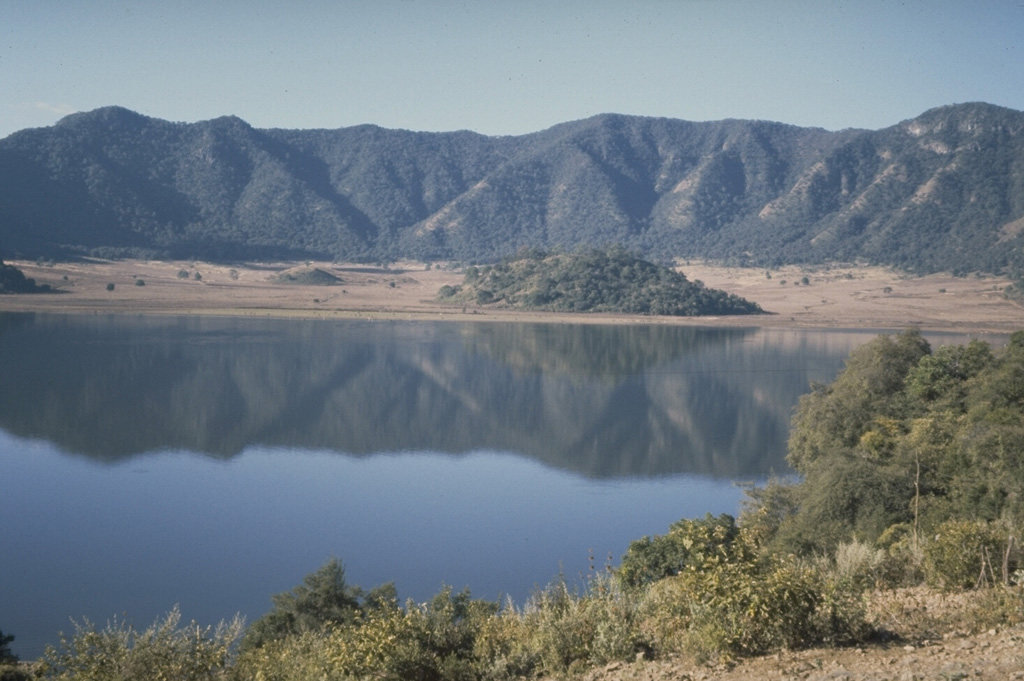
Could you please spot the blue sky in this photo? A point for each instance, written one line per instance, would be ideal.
(507, 67)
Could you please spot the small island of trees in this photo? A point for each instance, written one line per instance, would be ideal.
(592, 280)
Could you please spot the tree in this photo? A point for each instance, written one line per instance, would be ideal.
(324, 597)
(902, 442)
(835, 417)
(13, 280)
(6, 655)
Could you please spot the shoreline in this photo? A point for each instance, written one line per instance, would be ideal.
(825, 297)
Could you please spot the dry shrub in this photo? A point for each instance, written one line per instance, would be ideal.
(734, 609)
(165, 650)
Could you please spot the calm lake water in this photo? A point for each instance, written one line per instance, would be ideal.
(150, 461)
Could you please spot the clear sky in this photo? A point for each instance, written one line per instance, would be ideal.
(507, 67)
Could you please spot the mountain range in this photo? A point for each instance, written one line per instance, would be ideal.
(941, 192)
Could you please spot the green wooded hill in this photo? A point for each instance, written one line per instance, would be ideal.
(942, 191)
(592, 281)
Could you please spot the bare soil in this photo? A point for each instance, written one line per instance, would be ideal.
(995, 654)
(834, 297)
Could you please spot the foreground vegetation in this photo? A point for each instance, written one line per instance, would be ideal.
(592, 280)
(911, 475)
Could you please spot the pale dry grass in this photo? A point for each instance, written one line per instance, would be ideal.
(869, 297)
(834, 297)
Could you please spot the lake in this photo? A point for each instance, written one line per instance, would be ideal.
(206, 462)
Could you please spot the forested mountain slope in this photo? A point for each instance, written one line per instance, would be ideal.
(943, 191)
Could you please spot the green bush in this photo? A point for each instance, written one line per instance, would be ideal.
(735, 608)
(437, 640)
(381, 645)
(688, 542)
(963, 554)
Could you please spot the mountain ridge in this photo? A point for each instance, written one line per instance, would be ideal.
(941, 191)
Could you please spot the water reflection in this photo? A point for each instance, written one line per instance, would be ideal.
(596, 400)
(481, 455)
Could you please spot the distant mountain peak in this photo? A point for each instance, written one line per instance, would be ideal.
(107, 115)
(971, 117)
(227, 121)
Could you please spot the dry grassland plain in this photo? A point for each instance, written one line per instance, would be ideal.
(832, 297)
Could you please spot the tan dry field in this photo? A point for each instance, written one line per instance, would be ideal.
(835, 297)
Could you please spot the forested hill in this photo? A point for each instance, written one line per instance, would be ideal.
(592, 281)
(943, 191)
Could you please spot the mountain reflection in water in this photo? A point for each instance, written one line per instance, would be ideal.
(208, 462)
(596, 400)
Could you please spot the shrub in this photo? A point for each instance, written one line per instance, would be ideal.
(380, 645)
(858, 565)
(14, 673)
(505, 646)
(448, 291)
(688, 542)
(110, 287)
(733, 609)
(962, 553)
(571, 631)
(436, 640)
(163, 651)
(904, 561)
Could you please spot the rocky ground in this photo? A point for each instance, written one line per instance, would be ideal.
(995, 654)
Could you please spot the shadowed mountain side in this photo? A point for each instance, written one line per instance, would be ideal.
(598, 401)
(942, 191)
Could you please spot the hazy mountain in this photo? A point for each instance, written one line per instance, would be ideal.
(943, 191)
